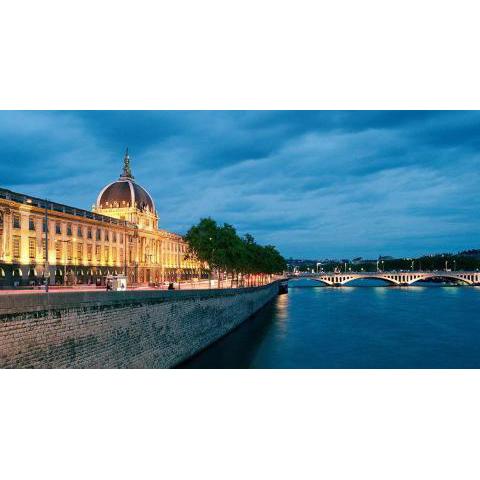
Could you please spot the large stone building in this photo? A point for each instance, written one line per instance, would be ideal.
(120, 236)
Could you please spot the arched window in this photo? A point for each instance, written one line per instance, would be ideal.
(17, 272)
(2, 273)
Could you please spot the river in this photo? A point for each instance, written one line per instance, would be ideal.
(368, 325)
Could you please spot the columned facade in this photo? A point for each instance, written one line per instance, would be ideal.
(120, 236)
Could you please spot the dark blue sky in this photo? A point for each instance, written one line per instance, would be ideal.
(316, 184)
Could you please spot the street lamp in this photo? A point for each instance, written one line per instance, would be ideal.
(46, 271)
(65, 259)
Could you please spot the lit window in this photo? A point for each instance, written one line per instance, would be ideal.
(58, 250)
(16, 247)
(79, 251)
(32, 248)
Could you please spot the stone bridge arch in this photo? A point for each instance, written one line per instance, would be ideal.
(467, 278)
(385, 278)
(398, 278)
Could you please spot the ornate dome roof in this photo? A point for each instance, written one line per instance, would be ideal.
(125, 192)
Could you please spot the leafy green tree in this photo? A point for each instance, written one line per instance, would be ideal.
(223, 250)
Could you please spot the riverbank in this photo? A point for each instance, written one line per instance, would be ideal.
(132, 329)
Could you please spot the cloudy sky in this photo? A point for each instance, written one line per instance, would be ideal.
(316, 184)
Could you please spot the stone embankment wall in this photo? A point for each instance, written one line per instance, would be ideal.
(133, 329)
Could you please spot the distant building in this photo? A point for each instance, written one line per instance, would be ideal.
(120, 236)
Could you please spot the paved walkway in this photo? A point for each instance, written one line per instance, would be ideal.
(202, 285)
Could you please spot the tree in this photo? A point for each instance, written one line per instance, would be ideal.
(223, 250)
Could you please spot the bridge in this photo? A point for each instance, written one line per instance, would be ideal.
(395, 278)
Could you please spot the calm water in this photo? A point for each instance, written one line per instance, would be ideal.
(356, 327)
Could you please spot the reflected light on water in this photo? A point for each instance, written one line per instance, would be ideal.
(281, 314)
(282, 307)
(452, 290)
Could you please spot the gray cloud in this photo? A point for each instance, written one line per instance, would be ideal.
(317, 184)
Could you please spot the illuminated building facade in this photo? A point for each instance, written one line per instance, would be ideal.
(120, 236)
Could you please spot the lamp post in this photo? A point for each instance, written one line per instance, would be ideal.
(46, 272)
(65, 259)
(125, 245)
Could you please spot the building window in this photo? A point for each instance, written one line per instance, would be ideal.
(98, 253)
(58, 228)
(16, 221)
(107, 236)
(120, 236)
(114, 237)
(89, 253)
(114, 254)
(69, 251)
(99, 234)
(79, 232)
(44, 226)
(31, 224)
(58, 250)
(32, 248)
(16, 248)
(69, 229)
(107, 254)
(1, 219)
(89, 233)
(79, 251)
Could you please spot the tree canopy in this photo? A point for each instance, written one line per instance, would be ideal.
(223, 249)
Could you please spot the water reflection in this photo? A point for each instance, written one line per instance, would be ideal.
(354, 327)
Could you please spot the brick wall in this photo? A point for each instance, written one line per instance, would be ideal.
(143, 329)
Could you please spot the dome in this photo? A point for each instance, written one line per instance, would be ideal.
(125, 192)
